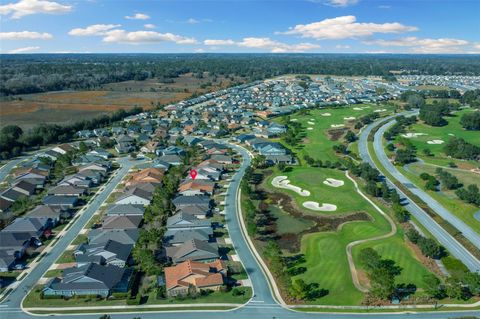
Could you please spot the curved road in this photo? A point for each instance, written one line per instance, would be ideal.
(466, 230)
(450, 243)
(262, 305)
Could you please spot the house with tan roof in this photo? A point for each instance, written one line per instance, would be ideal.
(196, 187)
(194, 275)
(147, 175)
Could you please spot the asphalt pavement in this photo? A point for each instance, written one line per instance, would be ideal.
(450, 243)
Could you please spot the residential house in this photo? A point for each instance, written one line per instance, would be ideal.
(63, 148)
(196, 187)
(89, 279)
(67, 190)
(147, 175)
(124, 236)
(135, 195)
(178, 237)
(122, 222)
(181, 278)
(126, 210)
(195, 250)
(107, 253)
(174, 160)
(99, 152)
(54, 213)
(181, 201)
(181, 221)
(63, 201)
(24, 187)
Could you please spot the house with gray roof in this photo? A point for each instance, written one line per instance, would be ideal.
(195, 250)
(175, 237)
(186, 221)
(89, 279)
(124, 236)
(126, 210)
(181, 201)
(108, 253)
(122, 222)
(135, 195)
(63, 201)
(67, 190)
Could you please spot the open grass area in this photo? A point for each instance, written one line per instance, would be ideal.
(325, 252)
(444, 133)
(447, 198)
(60, 107)
(317, 142)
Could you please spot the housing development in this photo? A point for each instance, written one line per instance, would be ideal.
(191, 203)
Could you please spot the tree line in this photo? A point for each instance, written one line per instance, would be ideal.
(14, 141)
(51, 72)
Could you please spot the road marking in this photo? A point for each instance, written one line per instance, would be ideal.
(257, 301)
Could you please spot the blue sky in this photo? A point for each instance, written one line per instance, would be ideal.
(279, 26)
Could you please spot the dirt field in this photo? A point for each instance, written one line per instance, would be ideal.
(68, 106)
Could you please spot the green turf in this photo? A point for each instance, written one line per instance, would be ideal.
(447, 198)
(316, 143)
(442, 133)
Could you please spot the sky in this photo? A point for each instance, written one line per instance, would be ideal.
(243, 26)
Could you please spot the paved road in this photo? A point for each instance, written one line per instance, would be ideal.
(466, 230)
(14, 299)
(5, 169)
(262, 306)
(453, 246)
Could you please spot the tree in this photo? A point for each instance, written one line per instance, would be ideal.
(432, 286)
(459, 148)
(415, 101)
(471, 121)
(350, 137)
(281, 166)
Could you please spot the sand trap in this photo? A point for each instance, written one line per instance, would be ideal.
(410, 135)
(309, 128)
(310, 123)
(293, 120)
(333, 182)
(451, 134)
(283, 182)
(379, 110)
(337, 125)
(326, 114)
(316, 206)
(357, 108)
(312, 119)
(435, 142)
(349, 118)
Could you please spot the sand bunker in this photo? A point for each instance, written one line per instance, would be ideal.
(379, 110)
(337, 125)
(293, 120)
(410, 135)
(316, 206)
(435, 142)
(451, 134)
(283, 182)
(357, 108)
(312, 119)
(333, 182)
(309, 128)
(349, 118)
(310, 123)
(326, 114)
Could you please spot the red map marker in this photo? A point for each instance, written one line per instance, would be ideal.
(193, 173)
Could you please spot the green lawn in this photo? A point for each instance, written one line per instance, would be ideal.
(325, 252)
(447, 198)
(444, 133)
(66, 257)
(317, 143)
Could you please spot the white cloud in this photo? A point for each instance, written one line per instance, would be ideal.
(23, 50)
(149, 26)
(342, 46)
(341, 3)
(265, 44)
(193, 21)
(25, 35)
(426, 45)
(219, 42)
(345, 27)
(138, 16)
(477, 46)
(199, 50)
(95, 29)
(137, 37)
(27, 7)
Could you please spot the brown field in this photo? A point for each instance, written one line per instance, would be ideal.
(69, 106)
